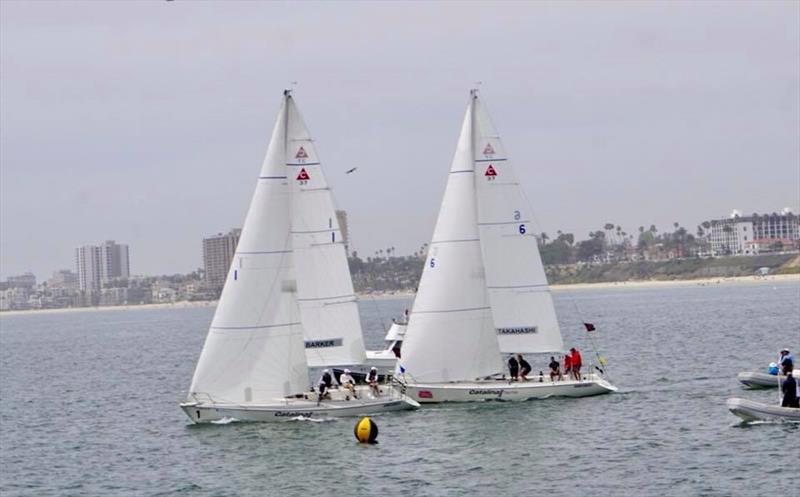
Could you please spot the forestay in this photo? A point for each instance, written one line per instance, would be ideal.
(522, 307)
(450, 334)
(254, 349)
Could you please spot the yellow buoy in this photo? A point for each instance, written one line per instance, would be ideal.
(366, 430)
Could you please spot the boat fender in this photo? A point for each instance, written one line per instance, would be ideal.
(366, 431)
(773, 368)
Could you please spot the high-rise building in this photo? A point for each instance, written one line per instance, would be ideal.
(341, 217)
(218, 253)
(97, 265)
(114, 261)
(87, 265)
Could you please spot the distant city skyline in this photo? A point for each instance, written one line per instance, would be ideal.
(136, 122)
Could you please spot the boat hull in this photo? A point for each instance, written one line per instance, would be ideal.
(754, 379)
(294, 408)
(427, 393)
(756, 411)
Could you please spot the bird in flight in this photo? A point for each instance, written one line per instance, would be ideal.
(351, 170)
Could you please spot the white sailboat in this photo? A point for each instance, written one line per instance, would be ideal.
(288, 300)
(483, 290)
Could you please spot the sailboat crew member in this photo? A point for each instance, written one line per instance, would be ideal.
(325, 384)
(524, 367)
(347, 381)
(513, 368)
(575, 363)
(567, 365)
(555, 369)
(372, 379)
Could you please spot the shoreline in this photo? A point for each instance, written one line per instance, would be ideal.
(634, 284)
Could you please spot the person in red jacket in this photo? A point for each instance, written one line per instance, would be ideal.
(575, 361)
(567, 365)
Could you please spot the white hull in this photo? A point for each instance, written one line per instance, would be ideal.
(753, 379)
(426, 393)
(756, 411)
(307, 407)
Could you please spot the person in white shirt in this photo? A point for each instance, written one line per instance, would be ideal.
(347, 381)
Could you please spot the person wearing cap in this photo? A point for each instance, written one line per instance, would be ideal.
(325, 384)
(372, 379)
(786, 361)
(789, 389)
(347, 381)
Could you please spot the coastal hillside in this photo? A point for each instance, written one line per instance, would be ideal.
(388, 274)
(674, 269)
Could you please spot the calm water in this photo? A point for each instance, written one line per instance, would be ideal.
(88, 406)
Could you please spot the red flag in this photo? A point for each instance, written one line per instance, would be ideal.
(589, 326)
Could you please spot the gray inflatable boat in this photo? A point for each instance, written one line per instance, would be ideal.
(755, 379)
(756, 411)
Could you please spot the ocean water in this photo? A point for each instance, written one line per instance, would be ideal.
(88, 406)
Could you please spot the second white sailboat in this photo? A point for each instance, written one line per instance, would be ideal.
(483, 290)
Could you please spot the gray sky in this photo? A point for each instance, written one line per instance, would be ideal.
(146, 122)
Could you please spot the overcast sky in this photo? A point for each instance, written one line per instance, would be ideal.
(146, 122)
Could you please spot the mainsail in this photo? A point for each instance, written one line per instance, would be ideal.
(450, 334)
(522, 308)
(328, 307)
(254, 348)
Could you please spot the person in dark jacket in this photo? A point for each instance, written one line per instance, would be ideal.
(524, 367)
(789, 388)
(513, 368)
(324, 385)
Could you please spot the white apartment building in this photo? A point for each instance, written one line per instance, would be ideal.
(750, 235)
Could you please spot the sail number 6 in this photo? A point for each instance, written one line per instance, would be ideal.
(521, 229)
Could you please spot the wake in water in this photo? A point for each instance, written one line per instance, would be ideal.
(313, 420)
(224, 421)
(778, 422)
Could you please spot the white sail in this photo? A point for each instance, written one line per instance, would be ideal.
(254, 349)
(450, 334)
(328, 307)
(522, 307)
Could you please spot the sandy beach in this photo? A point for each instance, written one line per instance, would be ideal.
(739, 280)
(742, 280)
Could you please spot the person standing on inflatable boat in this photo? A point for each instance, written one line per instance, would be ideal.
(791, 397)
(786, 361)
